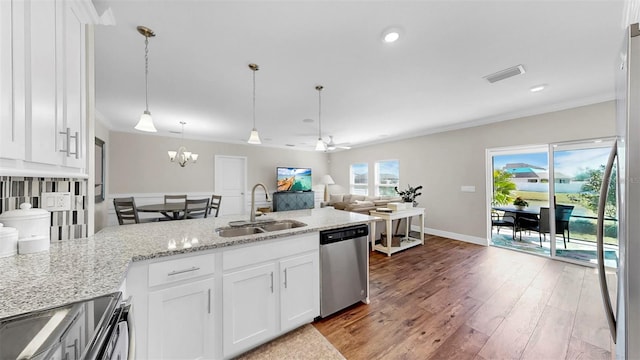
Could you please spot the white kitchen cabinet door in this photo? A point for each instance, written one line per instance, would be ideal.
(249, 306)
(71, 67)
(41, 90)
(299, 291)
(12, 77)
(181, 321)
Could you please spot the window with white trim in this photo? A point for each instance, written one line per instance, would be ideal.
(359, 179)
(387, 177)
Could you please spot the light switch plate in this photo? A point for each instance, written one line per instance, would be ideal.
(56, 201)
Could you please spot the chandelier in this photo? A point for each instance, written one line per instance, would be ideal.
(182, 156)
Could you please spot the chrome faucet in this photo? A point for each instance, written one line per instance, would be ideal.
(252, 219)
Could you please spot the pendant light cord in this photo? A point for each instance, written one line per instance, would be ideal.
(146, 71)
(319, 112)
(254, 99)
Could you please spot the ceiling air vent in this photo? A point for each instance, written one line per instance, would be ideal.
(506, 73)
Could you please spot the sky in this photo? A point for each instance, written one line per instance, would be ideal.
(567, 162)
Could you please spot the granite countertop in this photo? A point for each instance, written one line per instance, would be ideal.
(80, 269)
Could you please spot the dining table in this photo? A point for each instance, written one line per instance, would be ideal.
(171, 210)
(526, 212)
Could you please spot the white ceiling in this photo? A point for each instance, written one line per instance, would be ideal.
(429, 80)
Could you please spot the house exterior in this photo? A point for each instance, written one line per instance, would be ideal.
(527, 173)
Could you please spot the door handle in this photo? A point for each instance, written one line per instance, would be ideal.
(604, 289)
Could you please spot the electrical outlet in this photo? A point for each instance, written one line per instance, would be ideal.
(56, 201)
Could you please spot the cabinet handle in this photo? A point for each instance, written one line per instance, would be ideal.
(68, 138)
(77, 153)
(209, 301)
(272, 281)
(176, 272)
(285, 278)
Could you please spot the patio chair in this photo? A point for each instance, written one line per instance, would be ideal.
(543, 227)
(508, 219)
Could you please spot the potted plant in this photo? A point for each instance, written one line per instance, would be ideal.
(409, 195)
(520, 203)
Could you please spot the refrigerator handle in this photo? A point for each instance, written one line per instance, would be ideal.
(604, 289)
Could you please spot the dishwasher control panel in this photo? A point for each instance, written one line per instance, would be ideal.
(351, 232)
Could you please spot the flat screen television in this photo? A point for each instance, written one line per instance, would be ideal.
(294, 179)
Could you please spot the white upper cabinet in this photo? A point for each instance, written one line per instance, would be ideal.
(12, 77)
(44, 97)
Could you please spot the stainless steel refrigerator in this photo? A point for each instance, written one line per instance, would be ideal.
(624, 318)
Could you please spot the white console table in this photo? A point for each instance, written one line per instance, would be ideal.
(407, 241)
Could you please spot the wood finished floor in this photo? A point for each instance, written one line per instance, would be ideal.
(454, 300)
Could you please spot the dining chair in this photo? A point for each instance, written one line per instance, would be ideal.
(175, 198)
(126, 210)
(215, 204)
(196, 208)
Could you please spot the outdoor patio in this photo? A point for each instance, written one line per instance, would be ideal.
(576, 249)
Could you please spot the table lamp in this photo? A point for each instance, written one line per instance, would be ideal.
(327, 180)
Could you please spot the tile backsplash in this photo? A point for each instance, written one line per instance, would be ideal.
(70, 224)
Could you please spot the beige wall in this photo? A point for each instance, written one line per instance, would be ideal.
(444, 162)
(441, 162)
(138, 163)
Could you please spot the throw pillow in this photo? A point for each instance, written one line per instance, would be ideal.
(335, 198)
(357, 197)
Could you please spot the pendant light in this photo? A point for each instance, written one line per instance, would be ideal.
(254, 138)
(320, 145)
(182, 156)
(146, 123)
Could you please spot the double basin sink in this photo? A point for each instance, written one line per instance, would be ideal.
(241, 228)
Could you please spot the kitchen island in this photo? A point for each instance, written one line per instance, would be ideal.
(74, 270)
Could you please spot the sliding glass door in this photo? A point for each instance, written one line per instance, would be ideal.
(578, 169)
(559, 186)
(518, 173)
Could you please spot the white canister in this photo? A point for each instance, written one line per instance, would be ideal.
(33, 244)
(29, 222)
(8, 241)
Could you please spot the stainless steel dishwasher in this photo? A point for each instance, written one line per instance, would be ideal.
(344, 268)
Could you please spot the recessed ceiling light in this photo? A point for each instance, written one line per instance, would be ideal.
(391, 35)
(538, 88)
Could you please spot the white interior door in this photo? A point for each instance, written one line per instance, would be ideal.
(231, 182)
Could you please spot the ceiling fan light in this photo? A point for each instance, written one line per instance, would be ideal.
(320, 146)
(146, 123)
(254, 138)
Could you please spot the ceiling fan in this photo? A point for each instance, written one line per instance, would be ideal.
(332, 145)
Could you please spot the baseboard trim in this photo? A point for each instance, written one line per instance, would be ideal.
(455, 236)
